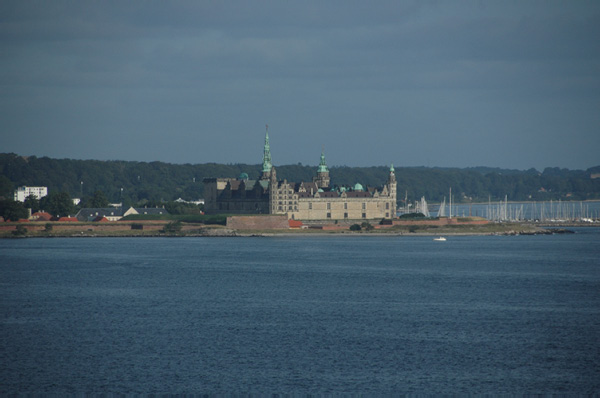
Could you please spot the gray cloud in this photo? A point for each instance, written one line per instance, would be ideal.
(415, 83)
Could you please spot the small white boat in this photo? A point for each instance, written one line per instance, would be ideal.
(440, 239)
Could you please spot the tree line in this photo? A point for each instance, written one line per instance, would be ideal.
(142, 183)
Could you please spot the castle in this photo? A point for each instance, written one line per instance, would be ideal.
(316, 200)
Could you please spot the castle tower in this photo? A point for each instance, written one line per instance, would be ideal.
(273, 191)
(322, 178)
(392, 188)
(267, 165)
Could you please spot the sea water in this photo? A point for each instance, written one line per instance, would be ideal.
(305, 315)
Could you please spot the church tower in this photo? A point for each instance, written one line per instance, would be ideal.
(267, 165)
(322, 178)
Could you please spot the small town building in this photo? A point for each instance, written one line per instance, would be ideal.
(65, 219)
(115, 213)
(152, 211)
(41, 216)
(23, 192)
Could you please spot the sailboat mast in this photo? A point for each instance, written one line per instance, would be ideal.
(450, 202)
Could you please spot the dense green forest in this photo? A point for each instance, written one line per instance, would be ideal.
(135, 182)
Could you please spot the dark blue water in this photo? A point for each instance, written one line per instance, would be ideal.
(369, 315)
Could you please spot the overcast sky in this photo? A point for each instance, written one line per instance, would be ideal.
(512, 84)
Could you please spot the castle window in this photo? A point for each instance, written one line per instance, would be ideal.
(387, 205)
(364, 206)
(345, 215)
(279, 208)
(328, 215)
(345, 206)
(364, 215)
(309, 205)
(387, 215)
(290, 208)
(328, 206)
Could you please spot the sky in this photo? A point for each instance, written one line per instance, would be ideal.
(510, 84)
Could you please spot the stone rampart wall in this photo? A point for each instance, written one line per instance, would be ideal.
(441, 222)
(58, 227)
(258, 222)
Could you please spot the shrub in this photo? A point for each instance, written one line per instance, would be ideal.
(367, 226)
(172, 227)
(20, 230)
(355, 227)
(48, 227)
(412, 216)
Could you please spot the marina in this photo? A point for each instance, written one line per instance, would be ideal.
(501, 211)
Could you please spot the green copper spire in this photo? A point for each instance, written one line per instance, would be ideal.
(392, 168)
(322, 166)
(267, 165)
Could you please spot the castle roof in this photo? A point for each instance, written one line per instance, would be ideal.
(358, 194)
(329, 194)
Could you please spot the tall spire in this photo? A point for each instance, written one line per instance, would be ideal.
(267, 165)
(322, 165)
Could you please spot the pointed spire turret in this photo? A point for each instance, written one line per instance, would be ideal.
(322, 165)
(392, 177)
(267, 165)
(322, 178)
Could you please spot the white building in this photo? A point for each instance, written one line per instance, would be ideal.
(196, 202)
(23, 192)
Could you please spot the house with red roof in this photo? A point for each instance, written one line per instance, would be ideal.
(41, 216)
(65, 219)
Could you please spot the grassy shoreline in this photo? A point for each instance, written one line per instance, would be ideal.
(161, 229)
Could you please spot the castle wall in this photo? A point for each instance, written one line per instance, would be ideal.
(258, 222)
(242, 206)
(218, 199)
(366, 208)
(212, 186)
(442, 221)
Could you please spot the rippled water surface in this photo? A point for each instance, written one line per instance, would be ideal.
(301, 315)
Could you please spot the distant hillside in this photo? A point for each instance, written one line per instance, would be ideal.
(155, 181)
